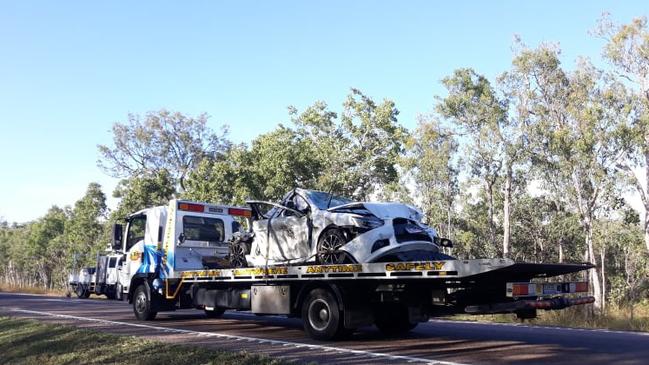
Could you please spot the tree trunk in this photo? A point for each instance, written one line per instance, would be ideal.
(646, 192)
(490, 199)
(594, 275)
(602, 253)
(507, 210)
(646, 224)
(561, 250)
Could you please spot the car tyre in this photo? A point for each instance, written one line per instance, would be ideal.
(238, 252)
(328, 248)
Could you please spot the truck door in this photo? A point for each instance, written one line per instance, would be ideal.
(134, 247)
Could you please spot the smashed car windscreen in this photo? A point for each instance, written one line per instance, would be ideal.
(321, 199)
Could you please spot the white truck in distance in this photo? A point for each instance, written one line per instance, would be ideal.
(196, 255)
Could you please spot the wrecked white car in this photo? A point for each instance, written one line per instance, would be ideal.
(313, 226)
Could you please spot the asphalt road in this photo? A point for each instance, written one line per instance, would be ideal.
(443, 342)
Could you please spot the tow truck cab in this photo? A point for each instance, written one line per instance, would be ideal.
(156, 242)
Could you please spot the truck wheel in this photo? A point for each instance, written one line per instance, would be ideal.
(86, 294)
(214, 313)
(142, 304)
(119, 295)
(394, 321)
(328, 249)
(78, 290)
(321, 316)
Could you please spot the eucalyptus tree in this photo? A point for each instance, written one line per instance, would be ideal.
(141, 192)
(432, 157)
(355, 154)
(495, 144)
(161, 140)
(374, 143)
(627, 49)
(571, 119)
(84, 229)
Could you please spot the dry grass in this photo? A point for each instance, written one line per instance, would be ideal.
(615, 318)
(31, 290)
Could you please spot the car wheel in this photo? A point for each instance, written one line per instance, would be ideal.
(329, 245)
(238, 252)
(321, 316)
(142, 304)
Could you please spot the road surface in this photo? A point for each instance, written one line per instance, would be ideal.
(435, 342)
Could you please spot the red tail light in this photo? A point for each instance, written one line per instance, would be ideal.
(520, 290)
(581, 287)
(240, 212)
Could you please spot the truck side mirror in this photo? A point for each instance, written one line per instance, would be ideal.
(117, 237)
(181, 237)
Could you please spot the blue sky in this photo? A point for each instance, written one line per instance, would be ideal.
(69, 70)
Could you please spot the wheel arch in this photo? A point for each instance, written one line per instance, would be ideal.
(306, 289)
(137, 280)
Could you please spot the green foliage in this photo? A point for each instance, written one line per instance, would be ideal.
(142, 192)
(84, 229)
(432, 160)
(355, 156)
(161, 141)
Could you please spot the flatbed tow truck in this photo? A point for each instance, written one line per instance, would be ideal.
(163, 263)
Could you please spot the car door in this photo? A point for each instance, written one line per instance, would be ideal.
(289, 231)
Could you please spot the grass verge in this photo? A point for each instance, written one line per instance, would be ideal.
(30, 290)
(615, 318)
(24, 341)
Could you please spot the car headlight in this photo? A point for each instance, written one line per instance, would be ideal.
(367, 221)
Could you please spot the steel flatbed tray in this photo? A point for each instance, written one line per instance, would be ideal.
(475, 269)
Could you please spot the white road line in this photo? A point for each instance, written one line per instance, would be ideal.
(483, 323)
(519, 325)
(252, 339)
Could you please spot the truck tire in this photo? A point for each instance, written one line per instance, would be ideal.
(214, 313)
(322, 317)
(82, 291)
(142, 304)
(119, 295)
(393, 320)
(78, 290)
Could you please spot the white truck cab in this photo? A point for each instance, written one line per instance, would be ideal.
(159, 241)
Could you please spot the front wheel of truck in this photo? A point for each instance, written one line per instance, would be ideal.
(142, 306)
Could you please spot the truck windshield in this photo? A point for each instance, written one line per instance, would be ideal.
(203, 229)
